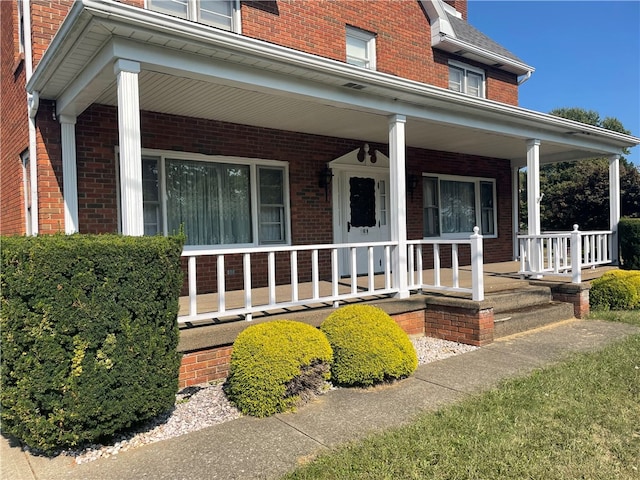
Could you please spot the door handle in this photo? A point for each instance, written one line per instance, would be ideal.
(348, 226)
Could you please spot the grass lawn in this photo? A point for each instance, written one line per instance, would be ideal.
(576, 420)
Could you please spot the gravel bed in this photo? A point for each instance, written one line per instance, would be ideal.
(205, 405)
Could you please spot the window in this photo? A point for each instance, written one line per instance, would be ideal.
(223, 14)
(361, 48)
(452, 206)
(466, 79)
(218, 201)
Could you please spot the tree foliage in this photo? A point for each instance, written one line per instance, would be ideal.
(578, 192)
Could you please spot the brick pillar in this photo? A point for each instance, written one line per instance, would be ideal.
(574, 293)
(460, 320)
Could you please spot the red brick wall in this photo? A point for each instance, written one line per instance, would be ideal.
(14, 136)
(473, 327)
(460, 6)
(403, 37)
(50, 203)
(46, 17)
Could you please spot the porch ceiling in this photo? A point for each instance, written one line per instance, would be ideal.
(169, 94)
(194, 70)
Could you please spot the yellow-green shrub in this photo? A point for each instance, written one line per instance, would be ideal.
(274, 364)
(616, 290)
(368, 346)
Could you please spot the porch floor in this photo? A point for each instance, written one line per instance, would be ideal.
(497, 277)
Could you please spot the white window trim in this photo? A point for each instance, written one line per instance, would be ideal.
(468, 68)
(370, 40)
(192, 14)
(252, 163)
(478, 204)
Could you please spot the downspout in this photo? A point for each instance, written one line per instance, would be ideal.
(33, 101)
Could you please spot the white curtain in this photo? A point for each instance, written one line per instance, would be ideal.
(211, 200)
(457, 206)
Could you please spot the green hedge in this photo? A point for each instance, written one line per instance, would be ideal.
(616, 290)
(273, 364)
(368, 346)
(89, 335)
(629, 232)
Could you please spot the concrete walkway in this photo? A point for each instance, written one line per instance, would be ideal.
(249, 448)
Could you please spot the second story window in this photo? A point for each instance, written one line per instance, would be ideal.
(223, 14)
(361, 48)
(466, 79)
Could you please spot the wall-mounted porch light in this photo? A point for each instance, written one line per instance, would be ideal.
(324, 180)
(412, 183)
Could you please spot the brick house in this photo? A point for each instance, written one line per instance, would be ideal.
(298, 142)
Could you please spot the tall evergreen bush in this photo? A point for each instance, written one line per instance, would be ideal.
(629, 232)
(89, 335)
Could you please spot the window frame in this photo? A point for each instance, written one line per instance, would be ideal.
(254, 165)
(466, 70)
(21, 33)
(477, 182)
(193, 14)
(370, 46)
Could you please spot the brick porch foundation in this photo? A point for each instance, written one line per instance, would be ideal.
(574, 293)
(459, 320)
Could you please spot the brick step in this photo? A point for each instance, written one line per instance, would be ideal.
(522, 298)
(521, 320)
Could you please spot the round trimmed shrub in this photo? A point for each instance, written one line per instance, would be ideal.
(276, 365)
(616, 290)
(368, 346)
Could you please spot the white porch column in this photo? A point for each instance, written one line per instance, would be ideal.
(130, 147)
(515, 208)
(533, 200)
(69, 173)
(614, 204)
(533, 186)
(397, 171)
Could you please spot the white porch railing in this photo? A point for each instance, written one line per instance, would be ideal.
(327, 285)
(564, 254)
(295, 293)
(417, 280)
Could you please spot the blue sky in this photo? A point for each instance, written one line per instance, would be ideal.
(586, 53)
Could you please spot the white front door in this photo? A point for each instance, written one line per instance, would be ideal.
(365, 215)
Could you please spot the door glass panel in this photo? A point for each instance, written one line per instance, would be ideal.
(362, 201)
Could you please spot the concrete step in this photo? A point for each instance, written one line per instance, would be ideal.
(521, 320)
(520, 298)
